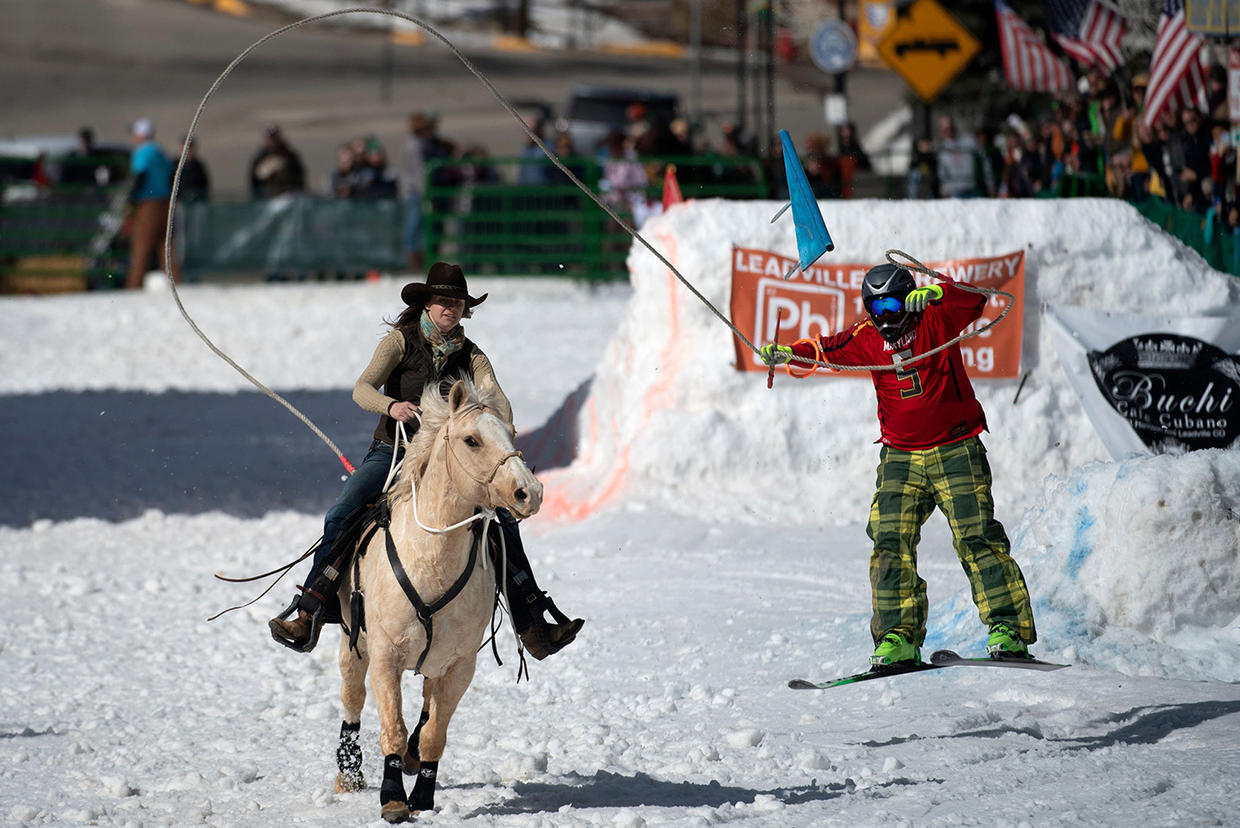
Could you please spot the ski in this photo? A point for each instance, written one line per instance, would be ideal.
(873, 673)
(947, 658)
(940, 659)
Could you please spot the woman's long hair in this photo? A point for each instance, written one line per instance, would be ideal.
(411, 315)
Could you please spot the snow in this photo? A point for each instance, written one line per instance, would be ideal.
(709, 530)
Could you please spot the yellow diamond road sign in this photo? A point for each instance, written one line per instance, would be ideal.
(927, 47)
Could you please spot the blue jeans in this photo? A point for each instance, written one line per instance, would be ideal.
(362, 487)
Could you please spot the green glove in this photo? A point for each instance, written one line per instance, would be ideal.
(917, 299)
(775, 354)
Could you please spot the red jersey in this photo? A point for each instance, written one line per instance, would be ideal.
(931, 402)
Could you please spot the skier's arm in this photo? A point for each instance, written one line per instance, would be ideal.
(960, 307)
(840, 349)
(919, 298)
(845, 348)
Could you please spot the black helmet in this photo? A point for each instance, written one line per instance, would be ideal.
(888, 281)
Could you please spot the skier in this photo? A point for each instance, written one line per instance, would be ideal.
(929, 421)
(427, 343)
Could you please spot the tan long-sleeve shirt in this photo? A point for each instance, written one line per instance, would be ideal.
(368, 390)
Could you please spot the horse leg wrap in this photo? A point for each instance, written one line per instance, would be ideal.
(423, 796)
(393, 787)
(414, 755)
(349, 755)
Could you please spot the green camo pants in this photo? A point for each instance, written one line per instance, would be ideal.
(956, 478)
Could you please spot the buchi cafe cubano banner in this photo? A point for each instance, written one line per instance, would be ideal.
(826, 299)
(1152, 385)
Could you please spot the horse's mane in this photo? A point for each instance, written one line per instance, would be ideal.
(435, 412)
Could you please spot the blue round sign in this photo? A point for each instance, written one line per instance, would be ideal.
(833, 47)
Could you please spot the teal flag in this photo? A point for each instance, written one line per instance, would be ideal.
(812, 237)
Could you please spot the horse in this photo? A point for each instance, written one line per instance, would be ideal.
(460, 464)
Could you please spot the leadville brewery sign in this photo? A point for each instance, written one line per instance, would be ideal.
(1176, 392)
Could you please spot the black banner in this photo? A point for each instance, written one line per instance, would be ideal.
(1178, 393)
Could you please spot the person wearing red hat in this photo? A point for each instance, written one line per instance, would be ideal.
(427, 343)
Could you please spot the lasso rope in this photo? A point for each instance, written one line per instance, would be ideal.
(189, 136)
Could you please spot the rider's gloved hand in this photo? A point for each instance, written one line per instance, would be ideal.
(918, 298)
(775, 354)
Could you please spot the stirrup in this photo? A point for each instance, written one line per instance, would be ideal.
(537, 638)
(316, 625)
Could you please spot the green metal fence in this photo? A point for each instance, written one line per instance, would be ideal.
(67, 238)
(508, 216)
(291, 237)
(1219, 246)
(517, 216)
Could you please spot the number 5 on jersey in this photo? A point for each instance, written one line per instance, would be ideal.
(910, 374)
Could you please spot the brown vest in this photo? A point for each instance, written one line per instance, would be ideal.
(415, 369)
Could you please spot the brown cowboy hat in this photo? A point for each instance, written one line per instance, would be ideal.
(443, 280)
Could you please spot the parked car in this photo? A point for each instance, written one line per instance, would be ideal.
(594, 111)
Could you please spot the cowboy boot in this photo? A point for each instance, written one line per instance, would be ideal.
(312, 606)
(527, 603)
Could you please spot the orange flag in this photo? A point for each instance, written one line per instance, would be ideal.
(671, 189)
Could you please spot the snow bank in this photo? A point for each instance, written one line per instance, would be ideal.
(1133, 564)
(669, 419)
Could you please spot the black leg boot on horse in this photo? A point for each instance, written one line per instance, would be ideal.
(528, 604)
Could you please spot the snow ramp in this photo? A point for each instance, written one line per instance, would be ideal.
(667, 417)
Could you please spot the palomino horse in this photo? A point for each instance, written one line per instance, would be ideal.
(460, 463)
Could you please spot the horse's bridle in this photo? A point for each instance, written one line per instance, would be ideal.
(489, 478)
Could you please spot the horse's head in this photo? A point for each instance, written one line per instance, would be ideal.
(476, 448)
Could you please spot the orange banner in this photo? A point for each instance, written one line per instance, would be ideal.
(827, 298)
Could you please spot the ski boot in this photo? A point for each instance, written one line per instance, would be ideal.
(894, 650)
(1005, 643)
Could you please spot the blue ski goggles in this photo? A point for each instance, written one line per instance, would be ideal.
(887, 304)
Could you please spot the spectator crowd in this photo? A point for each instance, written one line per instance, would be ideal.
(1094, 141)
(1097, 141)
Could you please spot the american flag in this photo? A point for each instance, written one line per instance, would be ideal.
(1088, 30)
(1027, 61)
(1177, 70)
